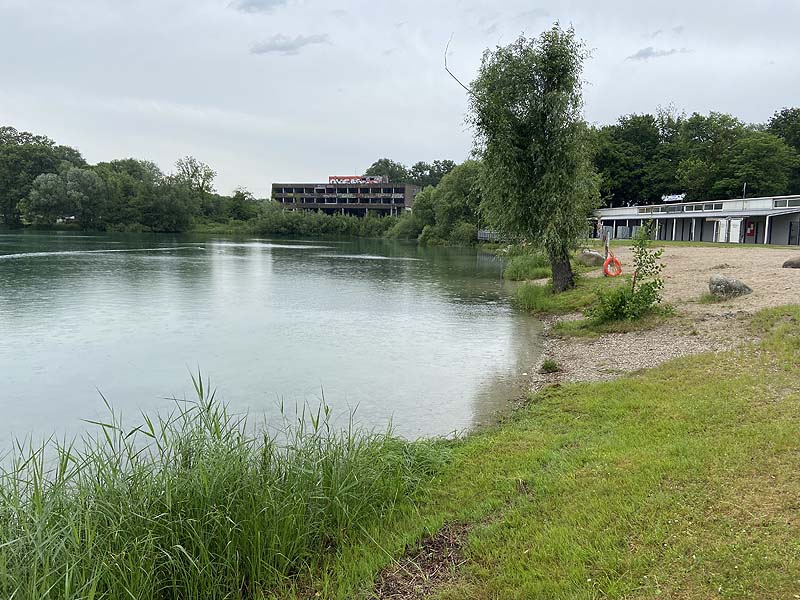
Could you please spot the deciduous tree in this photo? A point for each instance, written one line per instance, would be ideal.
(395, 171)
(537, 179)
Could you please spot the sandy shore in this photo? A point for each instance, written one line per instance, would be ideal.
(696, 328)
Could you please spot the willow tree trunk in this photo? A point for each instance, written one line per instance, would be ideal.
(563, 278)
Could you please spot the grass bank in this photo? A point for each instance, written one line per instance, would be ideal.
(197, 505)
(679, 482)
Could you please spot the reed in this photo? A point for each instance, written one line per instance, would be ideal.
(196, 503)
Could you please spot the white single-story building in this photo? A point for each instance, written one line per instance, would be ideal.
(769, 220)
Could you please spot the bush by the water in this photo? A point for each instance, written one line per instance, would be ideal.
(274, 220)
(196, 505)
(527, 266)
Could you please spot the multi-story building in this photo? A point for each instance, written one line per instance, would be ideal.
(768, 220)
(348, 195)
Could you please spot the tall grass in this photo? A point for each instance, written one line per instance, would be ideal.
(527, 266)
(195, 504)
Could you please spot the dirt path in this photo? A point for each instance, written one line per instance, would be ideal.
(697, 328)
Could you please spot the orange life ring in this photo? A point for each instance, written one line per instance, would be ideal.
(612, 267)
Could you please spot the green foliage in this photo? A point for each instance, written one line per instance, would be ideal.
(273, 219)
(464, 234)
(395, 171)
(421, 173)
(432, 235)
(195, 174)
(644, 292)
(406, 227)
(86, 196)
(537, 178)
(549, 366)
(242, 206)
(785, 123)
(448, 213)
(23, 157)
(77, 194)
(763, 161)
(47, 200)
(642, 157)
(424, 174)
(197, 504)
(527, 266)
(457, 198)
(541, 298)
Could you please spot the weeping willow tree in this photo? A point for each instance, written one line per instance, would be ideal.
(538, 180)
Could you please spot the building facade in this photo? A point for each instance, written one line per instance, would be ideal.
(348, 195)
(768, 220)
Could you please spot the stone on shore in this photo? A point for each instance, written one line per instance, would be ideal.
(590, 258)
(792, 263)
(727, 287)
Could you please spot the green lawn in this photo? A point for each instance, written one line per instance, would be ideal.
(679, 482)
(541, 299)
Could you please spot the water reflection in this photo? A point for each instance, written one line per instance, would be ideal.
(425, 336)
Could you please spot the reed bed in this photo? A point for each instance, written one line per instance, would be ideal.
(196, 504)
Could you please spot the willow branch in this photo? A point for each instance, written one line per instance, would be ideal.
(449, 72)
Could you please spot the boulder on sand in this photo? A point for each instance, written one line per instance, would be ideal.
(727, 287)
(792, 263)
(590, 258)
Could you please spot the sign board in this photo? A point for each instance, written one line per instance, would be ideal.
(673, 198)
(356, 179)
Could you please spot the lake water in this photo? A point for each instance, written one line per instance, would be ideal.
(426, 338)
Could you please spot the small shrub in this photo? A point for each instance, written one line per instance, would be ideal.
(406, 228)
(431, 236)
(644, 292)
(550, 366)
(527, 266)
(464, 233)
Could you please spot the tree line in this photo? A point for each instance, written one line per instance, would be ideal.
(638, 159)
(708, 157)
(44, 184)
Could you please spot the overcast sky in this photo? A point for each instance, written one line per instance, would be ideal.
(296, 90)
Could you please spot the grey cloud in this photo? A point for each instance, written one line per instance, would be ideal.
(283, 44)
(254, 6)
(678, 29)
(339, 12)
(491, 29)
(656, 33)
(650, 52)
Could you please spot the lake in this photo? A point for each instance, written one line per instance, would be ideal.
(426, 338)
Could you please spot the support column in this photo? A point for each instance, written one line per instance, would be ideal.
(694, 227)
(674, 227)
(766, 231)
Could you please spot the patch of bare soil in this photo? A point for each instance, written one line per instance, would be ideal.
(425, 570)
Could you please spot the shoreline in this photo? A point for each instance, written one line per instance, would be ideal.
(694, 328)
